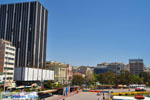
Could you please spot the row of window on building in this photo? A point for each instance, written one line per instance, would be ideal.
(135, 66)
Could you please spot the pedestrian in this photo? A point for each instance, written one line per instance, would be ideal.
(111, 96)
(103, 98)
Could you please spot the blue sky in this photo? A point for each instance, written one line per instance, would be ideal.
(87, 32)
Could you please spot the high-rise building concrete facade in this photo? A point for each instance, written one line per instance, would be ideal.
(136, 66)
(25, 25)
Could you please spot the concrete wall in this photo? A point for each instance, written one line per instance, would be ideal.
(33, 74)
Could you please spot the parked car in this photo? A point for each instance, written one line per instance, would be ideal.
(140, 89)
(98, 93)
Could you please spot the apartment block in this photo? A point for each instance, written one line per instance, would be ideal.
(7, 61)
(136, 66)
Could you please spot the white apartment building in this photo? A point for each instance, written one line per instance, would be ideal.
(7, 62)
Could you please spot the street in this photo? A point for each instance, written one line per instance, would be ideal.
(89, 95)
(85, 96)
(79, 96)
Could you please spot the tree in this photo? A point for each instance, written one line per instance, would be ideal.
(95, 78)
(48, 85)
(78, 80)
(117, 80)
(125, 77)
(136, 79)
(89, 79)
(110, 77)
(106, 78)
(146, 77)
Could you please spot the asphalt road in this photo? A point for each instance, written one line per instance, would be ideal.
(92, 95)
(85, 96)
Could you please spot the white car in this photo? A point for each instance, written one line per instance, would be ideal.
(98, 93)
(140, 89)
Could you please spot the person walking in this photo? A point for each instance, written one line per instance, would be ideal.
(103, 97)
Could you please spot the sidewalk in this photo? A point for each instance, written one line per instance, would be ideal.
(57, 97)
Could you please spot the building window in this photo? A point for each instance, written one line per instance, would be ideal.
(9, 63)
(10, 48)
(10, 53)
(7, 68)
(8, 73)
(9, 58)
(8, 78)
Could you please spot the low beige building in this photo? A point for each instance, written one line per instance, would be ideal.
(85, 70)
(69, 74)
(60, 71)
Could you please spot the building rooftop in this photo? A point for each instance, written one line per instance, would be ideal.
(135, 60)
(2, 41)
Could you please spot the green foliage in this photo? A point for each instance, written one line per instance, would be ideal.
(89, 79)
(78, 80)
(146, 78)
(124, 78)
(28, 90)
(58, 86)
(1, 89)
(136, 79)
(106, 78)
(95, 77)
(17, 90)
(49, 85)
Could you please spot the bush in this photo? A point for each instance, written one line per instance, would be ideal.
(1, 89)
(49, 85)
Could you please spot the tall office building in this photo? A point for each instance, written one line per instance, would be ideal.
(25, 25)
(136, 66)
